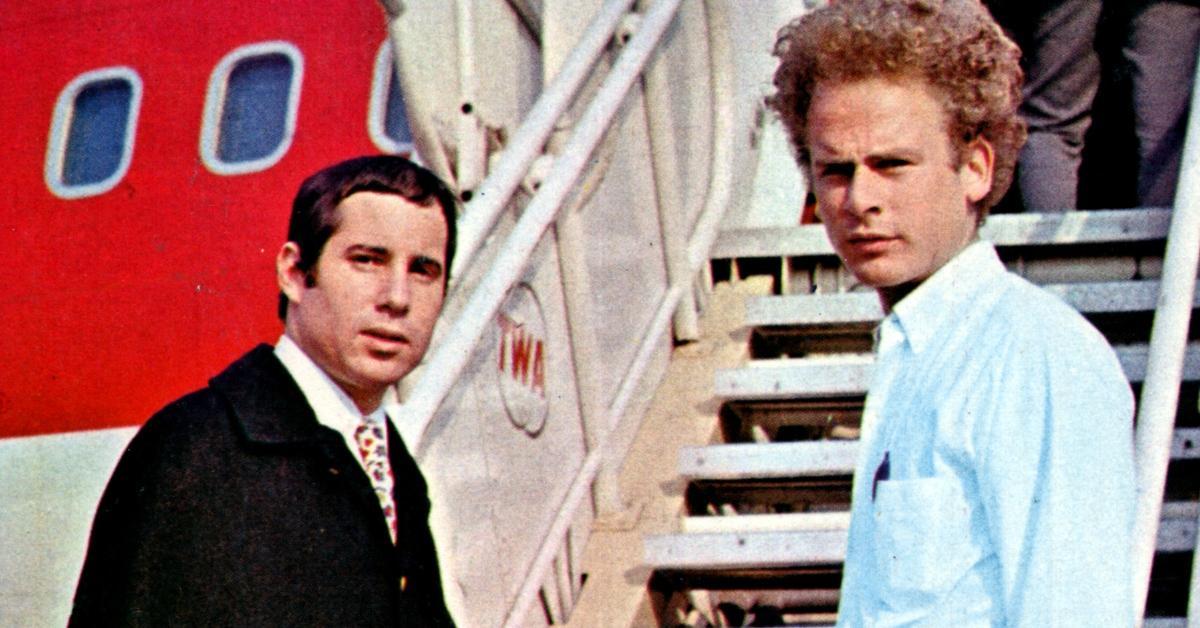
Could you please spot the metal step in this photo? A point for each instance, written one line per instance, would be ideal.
(841, 375)
(862, 308)
(739, 542)
(821, 458)
(1005, 230)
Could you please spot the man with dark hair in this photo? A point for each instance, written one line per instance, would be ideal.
(995, 481)
(281, 494)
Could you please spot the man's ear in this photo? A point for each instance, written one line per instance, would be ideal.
(292, 280)
(977, 169)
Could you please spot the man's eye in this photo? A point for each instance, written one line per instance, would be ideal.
(891, 164)
(427, 268)
(366, 260)
(830, 171)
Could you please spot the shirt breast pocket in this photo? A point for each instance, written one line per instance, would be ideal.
(922, 534)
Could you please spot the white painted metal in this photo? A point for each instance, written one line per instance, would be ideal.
(737, 550)
(471, 150)
(1124, 225)
(529, 16)
(793, 539)
(814, 309)
(452, 355)
(1193, 608)
(826, 457)
(850, 375)
(480, 215)
(572, 243)
(419, 103)
(864, 308)
(48, 507)
(789, 522)
(802, 378)
(1166, 360)
(768, 460)
(656, 84)
(704, 234)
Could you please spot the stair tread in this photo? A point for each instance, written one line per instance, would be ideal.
(862, 308)
(822, 457)
(850, 374)
(796, 542)
(1031, 229)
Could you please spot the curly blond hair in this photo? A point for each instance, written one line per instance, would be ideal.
(953, 45)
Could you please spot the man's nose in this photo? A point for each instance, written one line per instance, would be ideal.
(396, 292)
(863, 195)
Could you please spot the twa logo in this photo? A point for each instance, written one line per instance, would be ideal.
(521, 359)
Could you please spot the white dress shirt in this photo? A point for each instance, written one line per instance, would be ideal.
(333, 407)
(1007, 497)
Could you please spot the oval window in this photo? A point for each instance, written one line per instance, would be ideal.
(92, 132)
(250, 111)
(387, 117)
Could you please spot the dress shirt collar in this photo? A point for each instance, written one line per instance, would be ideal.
(333, 407)
(946, 295)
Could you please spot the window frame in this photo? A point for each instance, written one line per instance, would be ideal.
(382, 75)
(60, 132)
(214, 106)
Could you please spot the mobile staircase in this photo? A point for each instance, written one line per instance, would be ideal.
(763, 533)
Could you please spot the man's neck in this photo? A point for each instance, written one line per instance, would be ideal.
(365, 404)
(892, 295)
(889, 296)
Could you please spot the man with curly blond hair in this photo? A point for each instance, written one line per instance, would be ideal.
(995, 481)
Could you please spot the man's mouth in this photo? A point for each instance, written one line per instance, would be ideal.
(387, 337)
(871, 242)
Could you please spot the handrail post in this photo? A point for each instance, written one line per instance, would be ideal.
(471, 151)
(1164, 368)
(571, 240)
(664, 164)
(716, 201)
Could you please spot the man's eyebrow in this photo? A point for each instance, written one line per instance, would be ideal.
(367, 248)
(828, 153)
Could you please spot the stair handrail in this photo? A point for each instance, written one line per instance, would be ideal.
(487, 203)
(1164, 368)
(704, 234)
(450, 357)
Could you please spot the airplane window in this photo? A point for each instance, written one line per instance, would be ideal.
(250, 114)
(387, 119)
(92, 132)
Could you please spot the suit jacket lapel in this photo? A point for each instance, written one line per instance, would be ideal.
(272, 415)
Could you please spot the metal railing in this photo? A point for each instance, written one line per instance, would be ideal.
(1160, 391)
(684, 255)
(703, 235)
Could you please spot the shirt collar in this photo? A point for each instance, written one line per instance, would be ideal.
(944, 296)
(333, 407)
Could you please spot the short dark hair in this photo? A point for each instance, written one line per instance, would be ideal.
(952, 45)
(315, 216)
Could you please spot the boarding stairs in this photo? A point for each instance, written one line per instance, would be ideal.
(762, 533)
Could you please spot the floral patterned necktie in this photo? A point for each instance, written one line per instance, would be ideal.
(372, 448)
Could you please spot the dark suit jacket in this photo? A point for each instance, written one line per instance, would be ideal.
(234, 506)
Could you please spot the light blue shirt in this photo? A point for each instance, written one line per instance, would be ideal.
(1007, 498)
